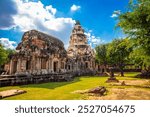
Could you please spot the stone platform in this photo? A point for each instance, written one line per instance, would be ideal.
(13, 80)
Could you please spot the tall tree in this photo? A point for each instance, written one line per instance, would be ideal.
(3, 56)
(118, 52)
(101, 55)
(136, 23)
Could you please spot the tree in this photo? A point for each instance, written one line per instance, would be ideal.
(4, 56)
(139, 58)
(135, 22)
(118, 52)
(101, 55)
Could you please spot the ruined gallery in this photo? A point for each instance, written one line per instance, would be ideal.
(42, 58)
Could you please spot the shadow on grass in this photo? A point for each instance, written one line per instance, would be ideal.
(50, 85)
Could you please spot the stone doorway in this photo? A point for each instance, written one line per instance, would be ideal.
(14, 67)
(86, 65)
(55, 66)
(28, 65)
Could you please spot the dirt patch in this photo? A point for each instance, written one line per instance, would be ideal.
(124, 94)
(137, 92)
(142, 83)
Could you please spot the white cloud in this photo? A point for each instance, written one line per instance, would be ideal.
(7, 43)
(92, 39)
(34, 15)
(75, 8)
(116, 14)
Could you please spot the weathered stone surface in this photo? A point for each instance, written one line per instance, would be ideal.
(123, 83)
(109, 80)
(13, 92)
(112, 76)
(81, 57)
(98, 90)
(13, 80)
(42, 58)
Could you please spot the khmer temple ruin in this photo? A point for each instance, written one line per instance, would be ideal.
(42, 58)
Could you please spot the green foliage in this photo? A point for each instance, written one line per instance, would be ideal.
(136, 23)
(3, 55)
(101, 54)
(118, 51)
(139, 57)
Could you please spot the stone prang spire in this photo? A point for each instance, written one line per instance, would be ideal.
(80, 54)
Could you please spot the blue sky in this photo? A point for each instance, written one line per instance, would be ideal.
(57, 17)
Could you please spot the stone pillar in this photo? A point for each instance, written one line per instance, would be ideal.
(47, 64)
(11, 67)
(33, 63)
(59, 65)
(38, 63)
(19, 65)
(50, 65)
(23, 65)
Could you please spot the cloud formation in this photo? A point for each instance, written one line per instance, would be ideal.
(34, 15)
(7, 43)
(7, 10)
(75, 8)
(93, 40)
(115, 14)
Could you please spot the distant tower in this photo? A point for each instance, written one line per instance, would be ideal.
(79, 51)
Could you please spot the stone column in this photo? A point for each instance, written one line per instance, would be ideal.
(50, 65)
(11, 67)
(39, 64)
(59, 65)
(18, 65)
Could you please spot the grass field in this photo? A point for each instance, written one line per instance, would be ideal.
(64, 90)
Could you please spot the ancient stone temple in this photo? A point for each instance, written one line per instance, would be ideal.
(80, 55)
(38, 53)
(42, 58)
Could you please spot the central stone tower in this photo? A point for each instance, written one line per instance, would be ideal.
(80, 55)
(77, 38)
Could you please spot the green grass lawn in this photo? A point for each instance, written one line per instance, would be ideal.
(62, 90)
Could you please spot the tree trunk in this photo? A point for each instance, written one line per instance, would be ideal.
(121, 70)
(105, 69)
(122, 73)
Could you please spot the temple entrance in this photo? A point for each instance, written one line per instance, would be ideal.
(28, 65)
(55, 66)
(14, 68)
(69, 67)
(86, 65)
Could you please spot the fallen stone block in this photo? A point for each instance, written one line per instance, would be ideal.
(9, 93)
(98, 90)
